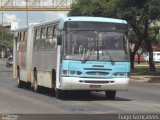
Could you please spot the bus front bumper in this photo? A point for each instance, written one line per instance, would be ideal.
(75, 83)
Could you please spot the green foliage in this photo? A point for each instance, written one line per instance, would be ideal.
(154, 32)
(143, 70)
(138, 13)
(7, 40)
(96, 8)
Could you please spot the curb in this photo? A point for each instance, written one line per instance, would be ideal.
(139, 79)
(149, 79)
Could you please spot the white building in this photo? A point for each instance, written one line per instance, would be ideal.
(10, 25)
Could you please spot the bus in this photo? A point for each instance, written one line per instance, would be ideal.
(73, 54)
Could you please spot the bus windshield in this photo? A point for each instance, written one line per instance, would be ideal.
(93, 45)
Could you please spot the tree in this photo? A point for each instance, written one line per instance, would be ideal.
(105, 8)
(139, 14)
(7, 41)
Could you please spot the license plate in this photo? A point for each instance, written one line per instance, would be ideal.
(95, 86)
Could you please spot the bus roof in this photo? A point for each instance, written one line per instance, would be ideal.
(90, 19)
(94, 19)
(80, 18)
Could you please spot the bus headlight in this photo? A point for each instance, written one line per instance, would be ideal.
(72, 72)
(75, 72)
(115, 74)
(79, 72)
(119, 74)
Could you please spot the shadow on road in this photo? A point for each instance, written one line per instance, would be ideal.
(78, 95)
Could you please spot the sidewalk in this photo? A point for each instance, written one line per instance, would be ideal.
(145, 78)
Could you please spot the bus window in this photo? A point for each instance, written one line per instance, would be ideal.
(20, 40)
(56, 31)
(43, 38)
(37, 38)
(24, 41)
(44, 33)
(38, 34)
(49, 40)
(55, 34)
(49, 32)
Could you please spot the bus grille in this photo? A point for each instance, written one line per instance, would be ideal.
(97, 73)
(97, 69)
(93, 81)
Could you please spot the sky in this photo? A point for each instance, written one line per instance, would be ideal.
(33, 16)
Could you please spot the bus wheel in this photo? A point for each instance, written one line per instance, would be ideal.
(36, 86)
(20, 83)
(59, 94)
(28, 85)
(110, 94)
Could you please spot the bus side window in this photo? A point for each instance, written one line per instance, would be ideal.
(20, 41)
(56, 31)
(44, 33)
(43, 38)
(49, 40)
(24, 40)
(55, 34)
(37, 38)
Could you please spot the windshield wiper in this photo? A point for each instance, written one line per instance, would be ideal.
(85, 58)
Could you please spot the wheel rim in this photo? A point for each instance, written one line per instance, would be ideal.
(35, 86)
(35, 82)
(18, 81)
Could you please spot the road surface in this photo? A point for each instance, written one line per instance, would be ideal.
(141, 98)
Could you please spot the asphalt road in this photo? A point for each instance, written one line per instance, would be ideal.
(141, 98)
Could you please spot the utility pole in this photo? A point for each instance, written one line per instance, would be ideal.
(2, 32)
(2, 25)
(27, 12)
(27, 17)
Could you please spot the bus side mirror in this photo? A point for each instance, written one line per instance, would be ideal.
(59, 40)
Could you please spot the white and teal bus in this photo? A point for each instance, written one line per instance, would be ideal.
(73, 54)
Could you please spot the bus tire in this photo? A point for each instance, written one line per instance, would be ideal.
(28, 85)
(59, 94)
(36, 86)
(20, 83)
(110, 94)
(53, 78)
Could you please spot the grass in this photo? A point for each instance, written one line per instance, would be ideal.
(143, 69)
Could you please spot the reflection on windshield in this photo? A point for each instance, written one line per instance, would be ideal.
(93, 45)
